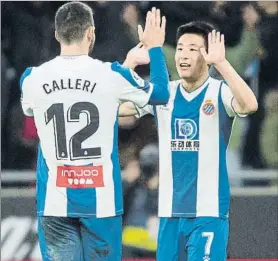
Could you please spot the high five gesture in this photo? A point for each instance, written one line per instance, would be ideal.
(154, 33)
(216, 48)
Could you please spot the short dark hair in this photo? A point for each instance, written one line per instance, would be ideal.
(198, 27)
(72, 20)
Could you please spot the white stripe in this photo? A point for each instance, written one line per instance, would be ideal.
(165, 156)
(56, 198)
(105, 196)
(208, 161)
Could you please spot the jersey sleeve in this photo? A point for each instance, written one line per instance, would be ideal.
(26, 92)
(133, 88)
(227, 99)
(148, 109)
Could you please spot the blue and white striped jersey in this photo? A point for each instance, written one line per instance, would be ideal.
(194, 131)
(74, 101)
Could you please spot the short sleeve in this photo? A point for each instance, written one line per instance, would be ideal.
(227, 99)
(26, 92)
(131, 86)
(148, 109)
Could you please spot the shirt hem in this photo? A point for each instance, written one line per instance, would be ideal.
(78, 215)
(192, 215)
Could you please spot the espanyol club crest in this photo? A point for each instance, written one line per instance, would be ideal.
(208, 108)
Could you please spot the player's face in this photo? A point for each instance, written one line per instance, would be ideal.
(190, 63)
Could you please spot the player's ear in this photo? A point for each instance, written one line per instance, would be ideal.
(56, 36)
(91, 33)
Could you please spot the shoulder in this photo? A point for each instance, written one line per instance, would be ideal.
(27, 76)
(215, 83)
(174, 84)
(125, 74)
(173, 87)
(219, 86)
(35, 70)
(30, 74)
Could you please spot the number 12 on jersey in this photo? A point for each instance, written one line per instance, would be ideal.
(56, 113)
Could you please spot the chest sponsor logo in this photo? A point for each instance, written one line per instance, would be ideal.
(185, 132)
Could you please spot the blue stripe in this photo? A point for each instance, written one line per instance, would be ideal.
(42, 179)
(185, 163)
(117, 171)
(126, 73)
(81, 200)
(226, 122)
(155, 116)
(225, 128)
(42, 241)
(26, 73)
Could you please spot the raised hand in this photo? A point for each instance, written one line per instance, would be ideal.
(154, 33)
(216, 48)
(137, 56)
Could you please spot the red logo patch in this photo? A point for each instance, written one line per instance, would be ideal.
(80, 177)
(208, 108)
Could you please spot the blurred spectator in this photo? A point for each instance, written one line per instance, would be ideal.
(178, 13)
(247, 48)
(227, 17)
(269, 138)
(141, 197)
(19, 154)
(242, 44)
(30, 33)
(8, 75)
(268, 79)
(123, 17)
(130, 178)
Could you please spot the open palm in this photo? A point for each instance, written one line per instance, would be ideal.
(154, 33)
(138, 55)
(216, 48)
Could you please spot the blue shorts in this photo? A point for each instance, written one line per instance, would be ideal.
(80, 239)
(193, 239)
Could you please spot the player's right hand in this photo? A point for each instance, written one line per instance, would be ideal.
(137, 56)
(154, 33)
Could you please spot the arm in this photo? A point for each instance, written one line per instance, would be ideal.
(131, 87)
(150, 50)
(26, 94)
(159, 76)
(129, 114)
(244, 101)
(127, 109)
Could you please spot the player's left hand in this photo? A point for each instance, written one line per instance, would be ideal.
(138, 55)
(216, 48)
